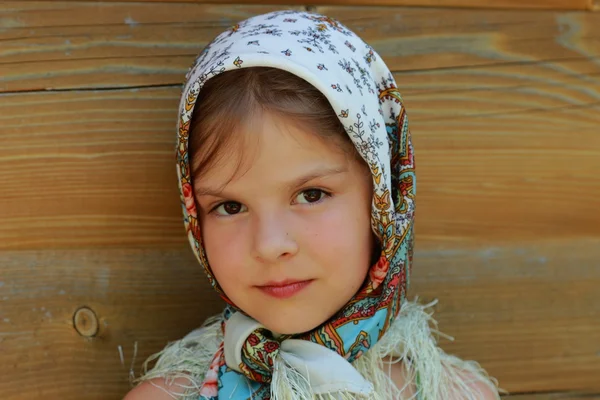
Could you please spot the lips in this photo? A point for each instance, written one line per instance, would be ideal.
(284, 289)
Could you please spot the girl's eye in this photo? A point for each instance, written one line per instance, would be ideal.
(311, 196)
(229, 208)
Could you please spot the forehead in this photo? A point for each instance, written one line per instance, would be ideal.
(273, 148)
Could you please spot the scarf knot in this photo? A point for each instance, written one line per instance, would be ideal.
(284, 364)
(258, 355)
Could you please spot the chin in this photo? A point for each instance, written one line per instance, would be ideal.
(291, 325)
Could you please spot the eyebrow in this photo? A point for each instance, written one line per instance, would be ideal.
(300, 181)
(316, 174)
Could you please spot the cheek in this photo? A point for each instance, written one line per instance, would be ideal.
(342, 240)
(223, 249)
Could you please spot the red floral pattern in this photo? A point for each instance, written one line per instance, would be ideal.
(210, 386)
(188, 197)
(378, 272)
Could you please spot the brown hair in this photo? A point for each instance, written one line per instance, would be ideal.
(232, 98)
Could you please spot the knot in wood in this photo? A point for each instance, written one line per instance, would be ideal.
(85, 322)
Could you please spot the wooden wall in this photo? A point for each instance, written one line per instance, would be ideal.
(505, 113)
(494, 4)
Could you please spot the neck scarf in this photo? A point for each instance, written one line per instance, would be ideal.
(362, 92)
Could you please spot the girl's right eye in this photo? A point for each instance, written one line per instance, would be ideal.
(229, 208)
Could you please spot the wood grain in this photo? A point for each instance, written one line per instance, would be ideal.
(493, 114)
(424, 39)
(531, 303)
(497, 4)
(62, 45)
(97, 167)
(140, 296)
(528, 314)
(504, 109)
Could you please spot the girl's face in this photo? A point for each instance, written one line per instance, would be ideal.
(288, 238)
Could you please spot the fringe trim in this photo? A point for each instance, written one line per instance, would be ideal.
(437, 375)
(433, 374)
(187, 358)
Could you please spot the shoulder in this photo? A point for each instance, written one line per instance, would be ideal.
(400, 376)
(484, 389)
(157, 389)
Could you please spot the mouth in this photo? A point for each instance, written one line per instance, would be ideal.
(284, 289)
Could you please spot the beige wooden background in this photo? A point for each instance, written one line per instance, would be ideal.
(505, 111)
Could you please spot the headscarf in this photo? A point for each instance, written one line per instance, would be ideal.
(363, 94)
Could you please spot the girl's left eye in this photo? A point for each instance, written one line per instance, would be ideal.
(311, 196)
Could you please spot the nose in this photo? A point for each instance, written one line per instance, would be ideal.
(273, 239)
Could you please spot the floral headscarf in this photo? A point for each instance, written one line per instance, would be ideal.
(363, 93)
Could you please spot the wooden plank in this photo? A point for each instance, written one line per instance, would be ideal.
(139, 296)
(492, 108)
(496, 138)
(506, 178)
(92, 45)
(497, 4)
(531, 303)
(554, 78)
(528, 314)
(424, 39)
(511, 138)
(95, 168)
(63, 45)
(505, 114)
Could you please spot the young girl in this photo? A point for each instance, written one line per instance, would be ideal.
(297, 183)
